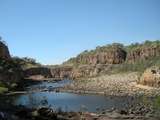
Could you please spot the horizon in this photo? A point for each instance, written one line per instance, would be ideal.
(54, 31)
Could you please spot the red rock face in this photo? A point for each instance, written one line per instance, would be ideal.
(143, 53)
(92, 63)
(4, 52)
(113, 56)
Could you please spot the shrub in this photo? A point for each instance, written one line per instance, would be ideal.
(3, 90)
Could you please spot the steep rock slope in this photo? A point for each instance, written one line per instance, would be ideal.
(144, 51)
(110, 54)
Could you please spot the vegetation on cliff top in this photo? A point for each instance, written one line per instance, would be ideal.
(26, 62)
(137, 65)
(147, 43)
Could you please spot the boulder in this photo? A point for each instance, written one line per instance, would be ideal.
(151, 77)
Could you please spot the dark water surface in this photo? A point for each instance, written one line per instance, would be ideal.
(68, 101)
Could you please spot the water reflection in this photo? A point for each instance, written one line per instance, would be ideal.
(69, 101)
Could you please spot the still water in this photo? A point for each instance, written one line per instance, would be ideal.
(68, 101)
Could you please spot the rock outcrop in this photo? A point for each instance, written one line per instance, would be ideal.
(106, 59)
(118, 54)
(38, 71)
(143, 52)
(151, 77)
(114, 56)
(111, 54)
(57, 72)
(62, 72)
(90, 70)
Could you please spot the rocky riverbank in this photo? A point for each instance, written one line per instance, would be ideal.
(139, 112)
(124, 84)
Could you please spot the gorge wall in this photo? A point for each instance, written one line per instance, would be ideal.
(117, 54)
(57, 72)
(111, 54)
(143, 52)
(101, 60)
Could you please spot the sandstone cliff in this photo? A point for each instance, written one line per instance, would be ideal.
(113, 58)
(110, 54)
(144, 51)
(117, 54)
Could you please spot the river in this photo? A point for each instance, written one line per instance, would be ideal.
(45, 96)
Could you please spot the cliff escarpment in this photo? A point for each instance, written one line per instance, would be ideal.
(110, 54)
(114, 58)
(144, 51)
(117, 54)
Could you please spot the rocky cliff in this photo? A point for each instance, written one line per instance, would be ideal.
(45, 72)
(144, 51)
(110, 54)
(117, 54)
(106, 59)
(56, 72)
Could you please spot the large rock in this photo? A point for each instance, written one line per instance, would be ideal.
(151, 77)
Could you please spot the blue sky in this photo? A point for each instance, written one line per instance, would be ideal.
(52, 31)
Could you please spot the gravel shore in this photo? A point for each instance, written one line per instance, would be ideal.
(115, 84)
